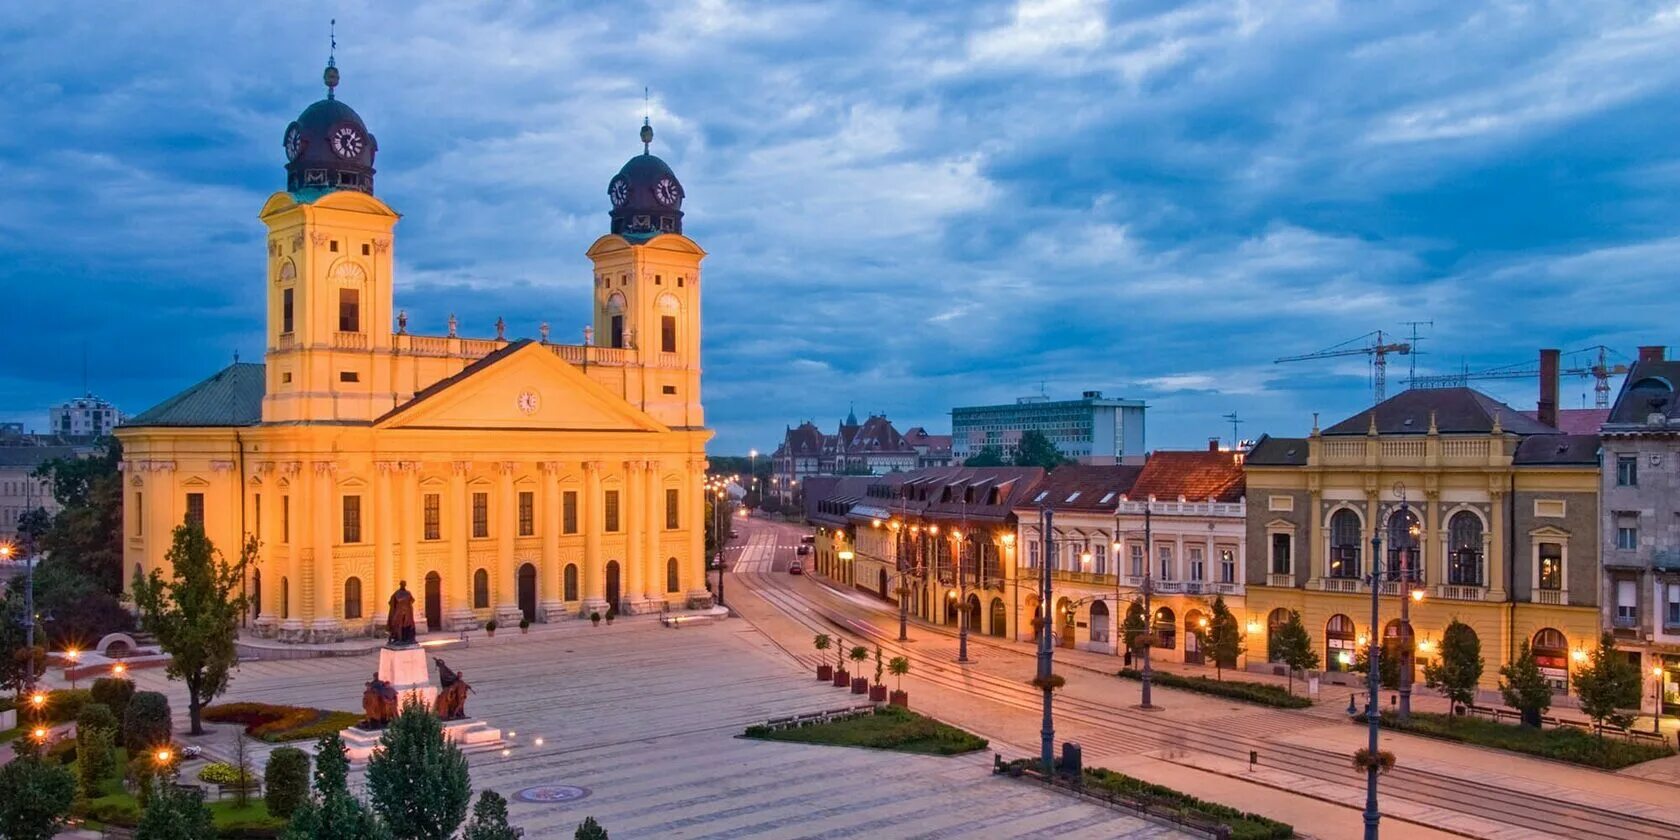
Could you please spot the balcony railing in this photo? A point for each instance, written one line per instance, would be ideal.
(1340, 584)
(1551, 597)
(429, 345)
(350, 341)
(1228, 588)
(1284, 580)
(1461, 593)
(478, 348)
(286, 341)
(1624, 622)
(1185, 508)
(1168, 587)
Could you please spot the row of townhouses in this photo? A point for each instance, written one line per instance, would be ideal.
(1545, 526)
(872, 447)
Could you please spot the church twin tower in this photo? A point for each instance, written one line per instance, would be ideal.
(500, 478)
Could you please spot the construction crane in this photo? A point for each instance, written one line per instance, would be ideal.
(1373, 344)
(1599, 367)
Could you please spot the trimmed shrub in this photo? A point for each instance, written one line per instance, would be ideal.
(1264, 694)
(147, 722)
(288, 781)
(1559, 744)
(98, 716)
(225, 775)
(63, 704)
(94, 759)
(114, 692)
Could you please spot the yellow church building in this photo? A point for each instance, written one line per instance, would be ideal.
(499, 478)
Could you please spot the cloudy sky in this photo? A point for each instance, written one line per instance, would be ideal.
(908, 206)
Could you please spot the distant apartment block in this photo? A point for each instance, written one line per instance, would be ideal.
(86, 416)
(1092, 429)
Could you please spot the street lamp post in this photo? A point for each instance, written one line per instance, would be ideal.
(1656, 699)
(957, 557)
(1405, 553)
(717, 515)
(1144, 699)
(1372, 711)
(752, 472)
(1047, 734)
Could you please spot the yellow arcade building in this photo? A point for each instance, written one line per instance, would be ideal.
(499, 478)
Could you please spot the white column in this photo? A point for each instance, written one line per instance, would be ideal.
(634, 507)
(653, 576)
(506, 596)
(548, 588)
(694, 565)
(594, 565)
(385, 570)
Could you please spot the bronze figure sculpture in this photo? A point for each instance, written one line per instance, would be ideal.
(452, 697)
(379, 703)
(400, 622)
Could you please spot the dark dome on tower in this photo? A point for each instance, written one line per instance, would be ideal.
(328, 147)
(646, 195)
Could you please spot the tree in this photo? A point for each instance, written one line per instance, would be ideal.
(1291, 645)
(83, 610)
(96, 733)
(417, 778)
(287, 774)
(1388, 664)
(35, 797)
(1036, 450)
(195, 616)
(1135, 624)
(589, 829)
(174, 813)
(1224, 638)
(1524, 687)
(334, 813)
(490, 820)
(147, 722)
(19, 665)
(1608, 686)
(988, 456)
(1459, 668)
(86, 536)
(114, 693)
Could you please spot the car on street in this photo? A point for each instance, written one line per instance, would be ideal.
(804, 549)
(796, 568)
(808, 539)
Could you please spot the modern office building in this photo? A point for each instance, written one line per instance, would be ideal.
(1092, 429)
(84, 417)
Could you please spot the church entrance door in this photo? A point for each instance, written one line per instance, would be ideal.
(528, 592)
(434, 602)
(612, 585)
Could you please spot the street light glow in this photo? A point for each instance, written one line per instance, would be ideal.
(1417, 594)
(163, 756)
(119, 669)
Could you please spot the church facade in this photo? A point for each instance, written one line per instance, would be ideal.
(498, 478)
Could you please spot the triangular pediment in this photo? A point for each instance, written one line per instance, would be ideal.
(522, 386)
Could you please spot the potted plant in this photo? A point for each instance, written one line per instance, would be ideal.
(595, 619)
(899, 666)
(524, 625)
(878, 691)
(841, 678)
(490, 627)
(825, 671)
(860, 683)
(612, 613)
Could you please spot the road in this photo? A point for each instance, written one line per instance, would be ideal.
(1206, 741)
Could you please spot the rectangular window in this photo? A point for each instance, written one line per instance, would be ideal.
(139, 515)
(615, 333)
(1671, 615)
(349, 376)
(568, 512)
(1137, 561)
(195, 509)
(1282, 562)
(349, 312)
(527, 513)
(667, 334)
(432, 517)
(285, 519)
(1627, 603)
(285, 310)
(1551, 566)
(1627, 470)
(481, 515)
(1227, 566)
(673, 519)
(1099, 555)
(256, 510)
(611, 511)
(1032, 554)
(1627, 538)
(1164, 556)
(352, 519)
(1196, 570)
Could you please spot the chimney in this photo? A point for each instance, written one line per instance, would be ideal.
(1213, 444)
(1548, 408)
(1651, 353)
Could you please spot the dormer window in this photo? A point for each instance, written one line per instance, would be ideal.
(1073, 497)
(1107, 497)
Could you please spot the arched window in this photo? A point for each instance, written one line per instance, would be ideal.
(1404, 532)
(1551, 653)
(352, 597)
(1464, 549)
(571, 582)
(1340, 643)
(1344, 544)
(1275, 620)
(671, 575)
(1000, 618)
(1166, 629)
(481, 590)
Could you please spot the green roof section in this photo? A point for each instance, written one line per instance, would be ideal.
(231, 397)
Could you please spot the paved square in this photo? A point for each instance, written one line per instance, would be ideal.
(645, 719)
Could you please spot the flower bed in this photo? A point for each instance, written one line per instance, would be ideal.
(1560, 744)
(888, 728)
(1264, 694)
(227, 775)
(1161, 801)
(275, 723)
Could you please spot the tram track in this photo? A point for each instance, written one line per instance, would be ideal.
(1129, 729)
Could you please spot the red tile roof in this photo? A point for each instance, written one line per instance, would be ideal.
(1196, 475)
(1578, 421)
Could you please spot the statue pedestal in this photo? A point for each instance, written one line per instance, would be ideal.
(406, 668)
(472, 736)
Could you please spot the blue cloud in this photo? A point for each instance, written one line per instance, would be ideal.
(909, 209)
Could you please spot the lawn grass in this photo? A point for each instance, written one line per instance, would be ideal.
(1264, 694)
(888, 728)
(1559, 744)
(1161, 801)
(275, 723)
(116, 806)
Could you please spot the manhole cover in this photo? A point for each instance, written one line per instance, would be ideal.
(552, 793)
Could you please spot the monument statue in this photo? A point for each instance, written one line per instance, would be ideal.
(379, 703)
(452, 697)
(400, 622)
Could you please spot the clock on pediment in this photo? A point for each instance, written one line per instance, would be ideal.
(527, 402)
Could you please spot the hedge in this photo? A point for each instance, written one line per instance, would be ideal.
(887, 728)
(1559, 744)
(1264, 694)
(1243, 824)
(288, 781)
(275, 723)
(147, 722)
(114, 692)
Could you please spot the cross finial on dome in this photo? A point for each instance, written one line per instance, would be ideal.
(647, 126)
(330, 76)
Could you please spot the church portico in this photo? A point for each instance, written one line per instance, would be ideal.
(500, 479)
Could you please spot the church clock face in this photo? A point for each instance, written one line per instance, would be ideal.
(667, 192)
(347, 142)
(619, 191)
(527, 402)
(293, 142)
